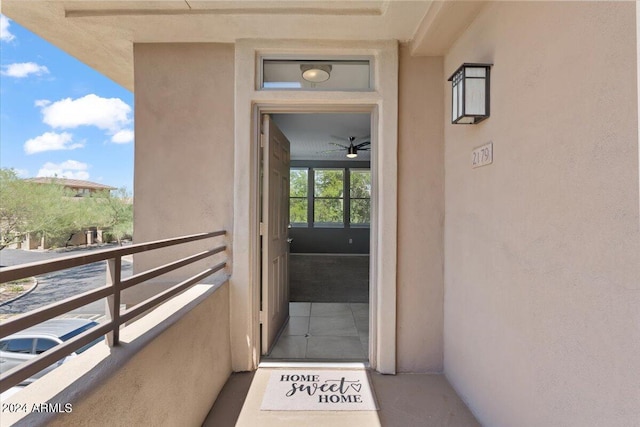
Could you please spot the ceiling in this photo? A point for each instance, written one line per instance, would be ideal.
(102, 33)
(312, 133)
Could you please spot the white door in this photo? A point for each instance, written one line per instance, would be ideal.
(275, 226)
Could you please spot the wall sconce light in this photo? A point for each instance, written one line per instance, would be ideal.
(315, 73)
(470, 93)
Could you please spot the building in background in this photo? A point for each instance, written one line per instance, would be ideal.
(80, 187)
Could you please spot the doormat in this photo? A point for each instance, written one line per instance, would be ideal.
(318, 390)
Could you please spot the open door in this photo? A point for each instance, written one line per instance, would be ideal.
(275, 226)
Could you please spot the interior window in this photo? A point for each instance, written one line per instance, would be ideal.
(20, 345)
(298, 192)
(43, 344)
(360, 197)
(328, 196)
(318, 195)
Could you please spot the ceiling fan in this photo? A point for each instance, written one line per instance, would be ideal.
(353, 147)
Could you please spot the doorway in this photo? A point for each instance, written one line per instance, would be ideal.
(328, 217)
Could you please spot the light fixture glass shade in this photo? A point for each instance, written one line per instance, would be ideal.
(470, 93)
(315, 73)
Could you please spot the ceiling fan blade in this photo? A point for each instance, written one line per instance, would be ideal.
(340, 138)
(329, 151)
(363, 144)
(339, 145)
(364, 149)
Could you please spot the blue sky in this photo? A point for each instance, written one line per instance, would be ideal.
(58, 117)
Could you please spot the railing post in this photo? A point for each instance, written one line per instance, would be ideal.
(114, 268)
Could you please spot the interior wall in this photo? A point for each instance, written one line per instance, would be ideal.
(420, 213)
(337, 240)
(542, 247)
(184, 128)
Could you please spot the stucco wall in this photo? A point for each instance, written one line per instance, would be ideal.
(420, 213)
(168, 370)
(542, 271)
(184, 144)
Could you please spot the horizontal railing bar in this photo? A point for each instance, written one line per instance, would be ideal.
(165, 295)
(51, 357)
(23, 371)
(22, 271)
(50, 311)
(150, 274)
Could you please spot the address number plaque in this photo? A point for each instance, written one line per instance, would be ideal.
(482, 156)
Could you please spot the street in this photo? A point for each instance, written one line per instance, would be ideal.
(60, 285)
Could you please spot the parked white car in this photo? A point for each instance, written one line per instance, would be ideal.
(25, 345)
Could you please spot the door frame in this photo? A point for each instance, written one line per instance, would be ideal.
(259, 110)
(250, 102)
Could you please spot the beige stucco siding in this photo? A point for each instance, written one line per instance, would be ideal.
(184, 143)
(542, 271)
(420, 280)
(168, 370)
(172, 381)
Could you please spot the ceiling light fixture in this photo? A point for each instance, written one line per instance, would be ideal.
(315, 73)
(352, 152)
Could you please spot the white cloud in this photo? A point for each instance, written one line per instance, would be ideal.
(23, 69)
(109, 114)
(123, 137)
(50, 141)
(42, 102)
(5, 34)
(71, 169)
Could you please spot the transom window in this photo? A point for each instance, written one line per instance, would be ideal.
(316, 74)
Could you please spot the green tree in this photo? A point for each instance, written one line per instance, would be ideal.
(27, 207)
(329, 196)
(360, 193)
(116, 213)
(53, 211)
(12, 207)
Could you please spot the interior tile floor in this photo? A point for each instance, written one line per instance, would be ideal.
(324, 331)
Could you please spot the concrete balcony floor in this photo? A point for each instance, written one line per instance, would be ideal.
(405, 400)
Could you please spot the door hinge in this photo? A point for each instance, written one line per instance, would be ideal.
(262, 139)
(261, 228)
(261, 316)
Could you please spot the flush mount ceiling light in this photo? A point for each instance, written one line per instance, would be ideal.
(315, 73)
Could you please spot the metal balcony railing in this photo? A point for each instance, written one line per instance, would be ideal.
(112, 291)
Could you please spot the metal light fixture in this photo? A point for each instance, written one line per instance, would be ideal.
(315, 73)
(470, 93)
(352, 152)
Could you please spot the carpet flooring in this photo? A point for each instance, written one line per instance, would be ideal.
(328, 278)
